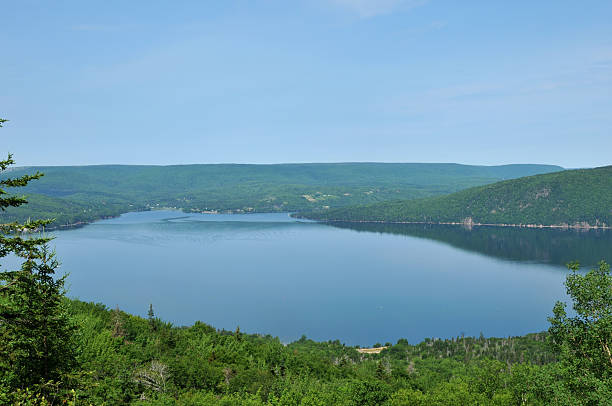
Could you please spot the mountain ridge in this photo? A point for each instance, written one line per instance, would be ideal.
(78, 194)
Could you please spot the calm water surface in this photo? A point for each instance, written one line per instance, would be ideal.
(361, 284)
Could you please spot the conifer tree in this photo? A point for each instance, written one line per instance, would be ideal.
(151, 318)
(36, 343)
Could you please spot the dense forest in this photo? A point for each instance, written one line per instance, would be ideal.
(574, 198)
(73, 194)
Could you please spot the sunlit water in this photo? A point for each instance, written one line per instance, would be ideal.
(271, 274)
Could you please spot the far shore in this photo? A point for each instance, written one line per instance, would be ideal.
(83, 223)
(470, 225)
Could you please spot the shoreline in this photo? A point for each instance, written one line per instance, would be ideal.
(78, 224)
(472, 224)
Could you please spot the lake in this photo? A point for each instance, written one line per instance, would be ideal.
(361, 284)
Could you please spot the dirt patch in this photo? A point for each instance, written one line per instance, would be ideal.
(376, 350)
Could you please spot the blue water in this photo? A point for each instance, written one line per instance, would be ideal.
(271, 274)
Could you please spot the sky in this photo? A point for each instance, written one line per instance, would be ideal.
(270, 81)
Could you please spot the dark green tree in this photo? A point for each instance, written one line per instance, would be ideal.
(151, 318)
(583, 342)
(36, 343)
(38, 335)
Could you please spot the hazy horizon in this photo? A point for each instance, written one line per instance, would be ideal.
(296, 163)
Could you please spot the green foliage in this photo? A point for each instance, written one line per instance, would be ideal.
(11, 233)
(584, 342)
(200, 365)
(85, 193)
(36, 334)
(576, 197)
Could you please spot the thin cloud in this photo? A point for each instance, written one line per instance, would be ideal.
(371, 8)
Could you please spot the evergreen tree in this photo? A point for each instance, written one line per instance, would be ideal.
(36, 343)
(151, 318)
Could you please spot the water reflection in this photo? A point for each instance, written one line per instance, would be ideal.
(546, 246)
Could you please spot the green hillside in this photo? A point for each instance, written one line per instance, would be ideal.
(575, 197)
(125, 359)
(73, 194)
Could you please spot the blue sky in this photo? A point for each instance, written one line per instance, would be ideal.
(160, 82)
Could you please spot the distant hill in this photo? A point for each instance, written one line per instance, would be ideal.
(73, 194)
(574, 197)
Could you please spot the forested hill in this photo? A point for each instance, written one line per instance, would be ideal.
(574, 197)
(73, 194)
